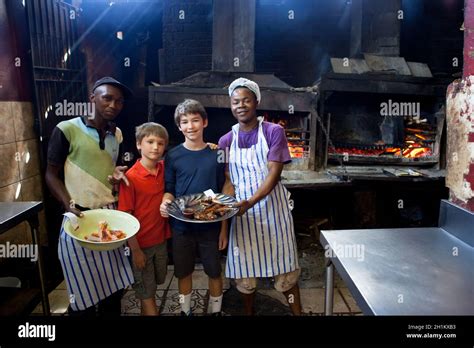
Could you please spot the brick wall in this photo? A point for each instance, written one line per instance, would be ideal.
(187, 43)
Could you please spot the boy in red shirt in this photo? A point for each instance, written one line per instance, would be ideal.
(142, 199)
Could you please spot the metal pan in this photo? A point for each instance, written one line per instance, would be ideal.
(175, 208)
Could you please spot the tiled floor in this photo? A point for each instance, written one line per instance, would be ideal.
(58, 302)
(268, 300)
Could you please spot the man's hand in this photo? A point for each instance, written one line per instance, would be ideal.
(117, 175)
(70, 208)
(164, 208)
(244, 206)
(139, 258)
(223, 239)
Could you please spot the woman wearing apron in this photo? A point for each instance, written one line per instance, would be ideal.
(262, 241)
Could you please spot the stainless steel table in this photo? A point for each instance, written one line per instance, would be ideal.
(12, 214)
(406, 271)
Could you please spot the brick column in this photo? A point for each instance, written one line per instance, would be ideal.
(187, 38)
(468, 38)
(460, 122)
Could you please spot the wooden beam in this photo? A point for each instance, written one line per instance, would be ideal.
(218, 98)
(383, 84)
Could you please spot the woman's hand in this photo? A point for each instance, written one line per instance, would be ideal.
(139, 258)
(244, 206)
(213, 146)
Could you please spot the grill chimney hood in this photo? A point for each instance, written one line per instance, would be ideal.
(233, 49)
(233, 56)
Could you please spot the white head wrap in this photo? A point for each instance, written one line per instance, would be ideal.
(243, 82)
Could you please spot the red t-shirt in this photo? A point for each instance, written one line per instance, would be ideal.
(142, 199)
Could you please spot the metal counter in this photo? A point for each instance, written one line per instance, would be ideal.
(13, 213)
(406, 271)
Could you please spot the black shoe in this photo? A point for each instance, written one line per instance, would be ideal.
(186, 315)
(216, 314)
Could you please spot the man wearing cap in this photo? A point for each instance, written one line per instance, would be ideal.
(86, 148)
(262, 240)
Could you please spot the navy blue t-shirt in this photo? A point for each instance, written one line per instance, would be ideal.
(188, 172)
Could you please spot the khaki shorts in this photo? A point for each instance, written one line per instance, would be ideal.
(154, 273)
(283, 282)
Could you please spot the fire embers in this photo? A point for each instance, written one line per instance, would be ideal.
(419, 139)
(418, 143)
(297, 133)
(297, 149)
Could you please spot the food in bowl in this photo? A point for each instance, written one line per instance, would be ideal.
(90, 222)
(105, 234)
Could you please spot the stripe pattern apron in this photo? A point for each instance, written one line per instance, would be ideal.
(262, 242)
(92, 275)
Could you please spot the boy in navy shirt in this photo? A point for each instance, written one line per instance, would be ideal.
(192, 167)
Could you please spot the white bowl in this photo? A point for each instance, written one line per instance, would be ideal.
(117, 220)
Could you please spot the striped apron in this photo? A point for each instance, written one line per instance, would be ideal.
(262, 241)
(92, 275)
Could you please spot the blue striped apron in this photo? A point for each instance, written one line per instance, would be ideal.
(262, 241)
(92, 275)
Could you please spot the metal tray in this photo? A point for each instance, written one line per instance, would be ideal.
(175, 208)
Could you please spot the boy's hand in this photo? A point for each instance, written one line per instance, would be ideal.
(164, 208)
(139, 258)
(223, 239)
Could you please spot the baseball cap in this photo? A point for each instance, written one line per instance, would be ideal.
(127, 93)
